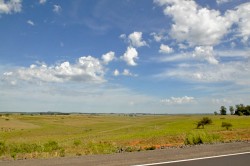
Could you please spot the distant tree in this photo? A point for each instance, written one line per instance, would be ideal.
(242, 110)
(215, 113)
(223, 110)
(231, 109)
(204, 121)
(226, 125)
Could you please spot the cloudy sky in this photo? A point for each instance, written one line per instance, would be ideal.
(130, 56)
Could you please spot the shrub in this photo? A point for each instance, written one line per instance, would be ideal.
(2, 148)
(227, 125)
(204, 121)
(77, 142)
(150, 148)
(195, 138)
(51, 146)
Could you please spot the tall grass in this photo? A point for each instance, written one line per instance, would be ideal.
(24, 148)
(200, 137)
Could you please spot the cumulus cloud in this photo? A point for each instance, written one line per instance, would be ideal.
(194, 24)
(30, 23)
(136, 40)
(198, 25)
(86, 69)
(165, 49)
(178, 100)
(11, 6)
(158, 37)
(130, 56)
(116, 72)
(125, 72)
(205, 52)
(108, 57)
(42, 1)
(57, 9)
(122, 36)
(242, 17)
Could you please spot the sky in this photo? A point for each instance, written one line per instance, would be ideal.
(126, 56)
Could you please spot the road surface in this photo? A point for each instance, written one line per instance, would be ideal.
(238, 159)
(147, 157)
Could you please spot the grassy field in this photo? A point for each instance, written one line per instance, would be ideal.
(43, 136)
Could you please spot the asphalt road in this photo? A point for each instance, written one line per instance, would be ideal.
(225, 160)
(146, 157)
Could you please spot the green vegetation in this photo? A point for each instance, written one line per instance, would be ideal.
(227, 125)
(204, 121)
(223, 110)
(46, 136)
(242, 110)
(199, 137)
(239, 109)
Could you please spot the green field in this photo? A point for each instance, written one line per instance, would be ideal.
(45, 136)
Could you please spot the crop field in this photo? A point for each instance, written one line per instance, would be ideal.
(46, 136)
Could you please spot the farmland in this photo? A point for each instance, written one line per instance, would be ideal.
(46, 136)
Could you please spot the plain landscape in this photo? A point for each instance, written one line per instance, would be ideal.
(48, 136)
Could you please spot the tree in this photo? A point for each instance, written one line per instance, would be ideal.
(242, 110)
(223, 110)
(204, 121)
(231, 109)
(227, 125)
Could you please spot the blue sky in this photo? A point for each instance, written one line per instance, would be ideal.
(126, 56)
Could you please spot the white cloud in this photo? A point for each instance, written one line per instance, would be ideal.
(136, 40)
(108, 57)
(125, 72)
(182, 46)
(242, 17)
(122, 36)
(86, 69)
(222, 1)
(175, 57)
(165, 49)
(178, 100)
(42, 1)
(9, 7)
(130, 55)
(158, 37)
(116, 72)
(194, 24)
(234, 72)
(30, 23)
(205, 52)
(222, 101)
(57, 9)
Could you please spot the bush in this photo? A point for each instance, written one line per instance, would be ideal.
(195, 138)
(227, 125)
(204, 121)
(51, 146)
(150, 148)
(77, 142)
(2, 148)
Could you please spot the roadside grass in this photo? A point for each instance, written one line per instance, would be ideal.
(25, 136)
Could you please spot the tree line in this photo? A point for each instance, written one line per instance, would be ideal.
(239, 109)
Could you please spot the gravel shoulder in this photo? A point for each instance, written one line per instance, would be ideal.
(144, 157)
